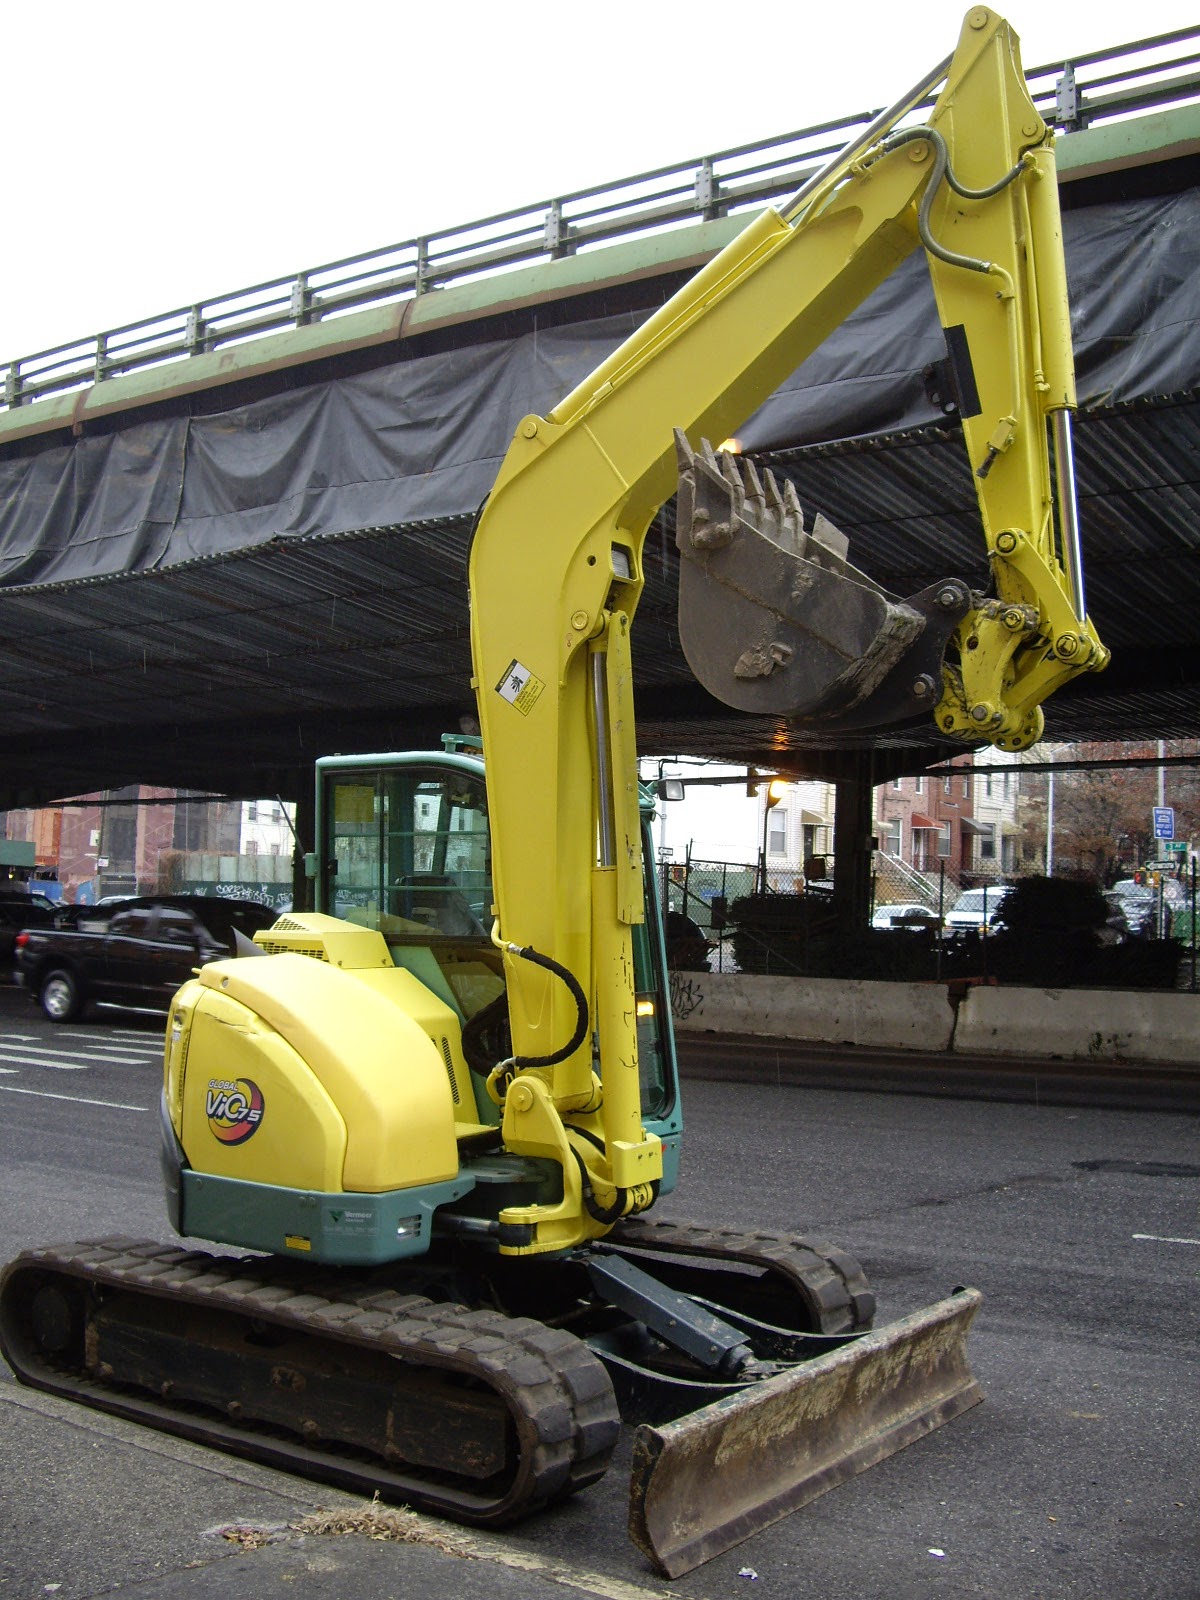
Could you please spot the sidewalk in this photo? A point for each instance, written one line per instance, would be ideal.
(95, 1504)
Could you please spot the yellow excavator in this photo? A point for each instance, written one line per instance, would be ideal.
(440, 1108)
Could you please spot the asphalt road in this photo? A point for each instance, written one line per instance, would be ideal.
(1076, 1478)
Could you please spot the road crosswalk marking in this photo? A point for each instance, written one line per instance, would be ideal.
(77, 1099)
(51, 1056)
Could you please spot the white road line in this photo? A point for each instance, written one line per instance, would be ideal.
(85, 1050)
(106, 1041)
(1158, 1238)
(80, 1048)
(51, 1066)
(70, 1060)
(75, 1099)
(126, 1035)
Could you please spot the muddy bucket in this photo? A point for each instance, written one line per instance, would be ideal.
(775, 620)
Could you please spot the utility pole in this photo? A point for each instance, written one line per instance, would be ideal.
(776, 790)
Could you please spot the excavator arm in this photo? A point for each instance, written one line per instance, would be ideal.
(773, 617)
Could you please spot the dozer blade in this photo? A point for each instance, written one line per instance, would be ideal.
(708, 1481)
(774, 619)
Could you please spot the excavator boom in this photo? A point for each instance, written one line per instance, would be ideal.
(773, 616)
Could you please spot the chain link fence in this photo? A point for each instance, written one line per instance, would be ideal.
(733, 917)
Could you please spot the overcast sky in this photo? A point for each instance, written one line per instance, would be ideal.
(160, 153)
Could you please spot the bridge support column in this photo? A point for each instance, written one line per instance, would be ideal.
(302, 886)
(853, 841)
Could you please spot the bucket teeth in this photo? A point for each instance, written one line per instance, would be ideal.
(774, 618)
(721, 497)
(831, 539)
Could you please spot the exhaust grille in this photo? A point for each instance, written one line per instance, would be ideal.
(449, 1060)
(283, 947)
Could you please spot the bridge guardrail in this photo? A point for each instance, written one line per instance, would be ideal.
(1159, 71)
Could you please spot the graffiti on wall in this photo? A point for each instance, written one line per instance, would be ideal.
(687, 994)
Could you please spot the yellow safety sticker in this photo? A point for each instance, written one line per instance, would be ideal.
(519, 687)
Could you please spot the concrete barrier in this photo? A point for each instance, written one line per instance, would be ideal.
(897, 1016)
(1080, 1024)
(1069, 1024)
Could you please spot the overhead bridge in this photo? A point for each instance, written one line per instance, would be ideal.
(233, 536)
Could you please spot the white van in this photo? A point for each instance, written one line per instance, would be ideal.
(977, 909)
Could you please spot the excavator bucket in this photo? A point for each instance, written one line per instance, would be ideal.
(710, 1480)
(774, 619)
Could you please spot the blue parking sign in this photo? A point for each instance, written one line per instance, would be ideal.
(1164, 822)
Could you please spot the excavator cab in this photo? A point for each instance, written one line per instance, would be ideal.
(405, 849)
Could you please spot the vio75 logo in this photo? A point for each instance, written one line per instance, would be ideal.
(234, 1109)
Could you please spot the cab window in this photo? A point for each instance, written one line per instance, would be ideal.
(411, 851)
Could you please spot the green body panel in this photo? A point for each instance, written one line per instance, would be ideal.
(340, 1229)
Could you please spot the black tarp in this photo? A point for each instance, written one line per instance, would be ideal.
(423, 437)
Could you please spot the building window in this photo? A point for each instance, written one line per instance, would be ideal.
(946, 782)
(943, 841)
(966, 787)
(777, 832)
(896, 783)
(987, 843)
(919, 786)
(890, 836)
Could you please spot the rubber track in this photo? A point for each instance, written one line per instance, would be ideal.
(556, 1391)
(829, 1281)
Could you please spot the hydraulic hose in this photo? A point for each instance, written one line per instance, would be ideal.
(528, 953)
(620, 1205)
(592, 1206)
(943, 169)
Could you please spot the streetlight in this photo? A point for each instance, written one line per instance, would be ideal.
(776, 790)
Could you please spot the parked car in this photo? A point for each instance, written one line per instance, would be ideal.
(135, 953)
(1140, 903)
(977, 910)
(29, 897)
(905, 914)
(1119, 924)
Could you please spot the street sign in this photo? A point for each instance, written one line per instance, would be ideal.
(1164, 822)
(1176, 846)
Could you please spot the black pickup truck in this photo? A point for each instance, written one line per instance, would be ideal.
(135, 952)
